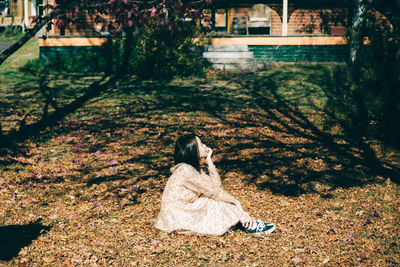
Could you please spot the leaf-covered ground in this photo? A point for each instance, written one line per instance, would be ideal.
(87, 190)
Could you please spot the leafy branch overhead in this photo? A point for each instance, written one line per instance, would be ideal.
(125, 15)
(116, 15)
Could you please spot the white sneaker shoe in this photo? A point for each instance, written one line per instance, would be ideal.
(259, 227)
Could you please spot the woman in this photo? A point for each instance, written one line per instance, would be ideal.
(194, 202)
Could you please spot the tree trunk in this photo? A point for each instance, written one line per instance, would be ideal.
(29, 34)
(124, 68)
(360, 119)
(109, 54)
(389, 8)
(357, 37)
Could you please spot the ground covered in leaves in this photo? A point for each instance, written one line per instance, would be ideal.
(87, 188)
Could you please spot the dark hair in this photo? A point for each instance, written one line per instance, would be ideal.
(187, 151)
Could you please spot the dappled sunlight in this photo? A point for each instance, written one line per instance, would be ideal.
(96, 172)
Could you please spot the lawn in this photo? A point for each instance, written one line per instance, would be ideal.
(10, 34)
(85, 188)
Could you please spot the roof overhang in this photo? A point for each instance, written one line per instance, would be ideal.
(311, 4)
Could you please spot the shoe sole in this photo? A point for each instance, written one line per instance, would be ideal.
(269, 231)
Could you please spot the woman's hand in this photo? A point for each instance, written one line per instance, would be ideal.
(209, 152)
(208, 158)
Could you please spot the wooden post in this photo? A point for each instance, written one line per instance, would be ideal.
(33, 8)
(228, 25)
(26, 15)
(212, 16)
(285, 18)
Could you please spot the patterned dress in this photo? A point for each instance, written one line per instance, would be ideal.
(194, 202)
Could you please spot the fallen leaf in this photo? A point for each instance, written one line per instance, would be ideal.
(299, 259)
(114, 162)
(97, 203)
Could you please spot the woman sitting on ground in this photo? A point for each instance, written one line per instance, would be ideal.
(194, 202)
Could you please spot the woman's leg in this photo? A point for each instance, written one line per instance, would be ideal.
(244, 217)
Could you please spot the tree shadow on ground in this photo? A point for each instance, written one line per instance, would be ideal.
(14, 237)
(47, 120)
(298, 152)
(304, 141)
(283, 131)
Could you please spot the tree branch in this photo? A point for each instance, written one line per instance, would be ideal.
(48, 94)
(29, 34)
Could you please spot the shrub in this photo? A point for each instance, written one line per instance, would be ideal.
(155, 53)
(163, 53)
(11, 33)
(380, 80)
(82, 61)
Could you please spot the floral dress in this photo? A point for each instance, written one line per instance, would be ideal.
(194, 202)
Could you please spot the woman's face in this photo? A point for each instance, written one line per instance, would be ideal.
(203, 149)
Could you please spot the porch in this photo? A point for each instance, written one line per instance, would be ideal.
(278, 17)
(21, 12)
(227, 51)
(248, 30)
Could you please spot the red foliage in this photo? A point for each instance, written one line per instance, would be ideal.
(125, 15)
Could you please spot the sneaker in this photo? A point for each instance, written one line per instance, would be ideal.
(258, 227)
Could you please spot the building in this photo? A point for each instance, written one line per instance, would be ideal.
(263, 30)
(279, 31)
(20, 12)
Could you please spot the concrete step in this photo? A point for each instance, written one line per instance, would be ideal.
(228, 55)
(234, 67)
(256, 65)
(232, 60)
(226, 48)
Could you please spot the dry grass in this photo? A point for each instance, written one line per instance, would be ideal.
(87, 191)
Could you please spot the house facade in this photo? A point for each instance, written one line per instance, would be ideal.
(283, 30)
(20, 12)
(271, 30)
